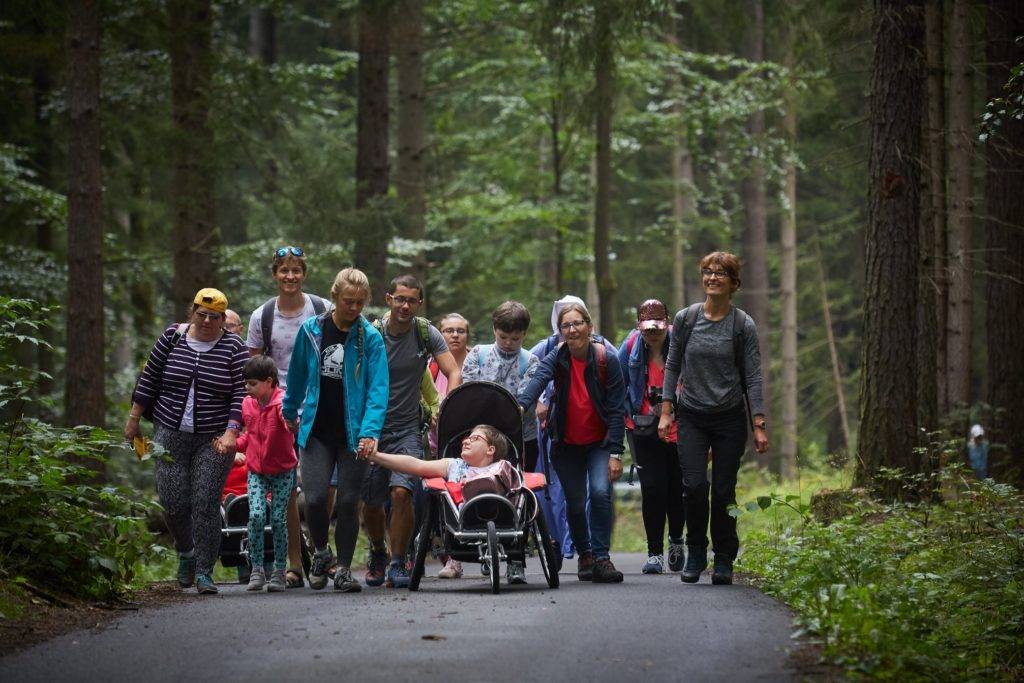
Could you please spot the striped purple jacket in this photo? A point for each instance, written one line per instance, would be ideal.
(218, 376)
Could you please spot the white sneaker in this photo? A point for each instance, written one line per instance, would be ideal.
(655, 564)
(452, 570)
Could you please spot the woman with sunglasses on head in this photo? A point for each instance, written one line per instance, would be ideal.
(714, 357)
(642, 359)
(193, 384)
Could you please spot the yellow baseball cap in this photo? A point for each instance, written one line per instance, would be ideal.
(211, 298)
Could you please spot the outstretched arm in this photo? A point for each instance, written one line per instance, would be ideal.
(406, 464)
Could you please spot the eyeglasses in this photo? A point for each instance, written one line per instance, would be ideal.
(720, 274)
(294, 251)
(572, 325)
(476, 437)
(404, 300)
(455, 330)
(208, 317)
(231, 327)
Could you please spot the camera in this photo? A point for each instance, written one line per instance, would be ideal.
(654, 395)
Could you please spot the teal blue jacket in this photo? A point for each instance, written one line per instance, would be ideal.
(366, 380)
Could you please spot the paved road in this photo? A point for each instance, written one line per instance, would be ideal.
(650, 628)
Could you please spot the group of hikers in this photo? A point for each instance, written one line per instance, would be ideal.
(320, 397)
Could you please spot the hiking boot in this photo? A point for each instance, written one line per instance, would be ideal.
(655, 564)
(516, 573)
(375, 568)
(257, 579)
(452, 570)
(721, 575)
(278, 583)
(322, 561)
(605, 572)
(398, 575)
(343, 581)
(205, 585)
(676, 555)
(696, 562)
(186, 571)
(585, 566)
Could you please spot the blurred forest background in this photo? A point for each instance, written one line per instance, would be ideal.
(522, 149)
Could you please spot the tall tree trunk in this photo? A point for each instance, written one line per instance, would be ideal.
(410, 178)
(935, 154)
(684, 203)
(755, 235)
(960, 209)
(787, 237)
(85, 395)
(1004, 286)
(833, 353)
(263, 35)
(195, 224)
(372, 238)
(557, 170)
(888, 391)
(604, 88)
(41, 85)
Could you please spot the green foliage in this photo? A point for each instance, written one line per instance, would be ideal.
(908, 592)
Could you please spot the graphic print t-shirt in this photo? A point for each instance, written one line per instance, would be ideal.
(329, 425)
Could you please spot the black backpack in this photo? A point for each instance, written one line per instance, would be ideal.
(267, 318)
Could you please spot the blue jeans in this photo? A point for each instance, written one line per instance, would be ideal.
(579, 468)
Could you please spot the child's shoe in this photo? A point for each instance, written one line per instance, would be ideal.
(257, 579)
(277, 583)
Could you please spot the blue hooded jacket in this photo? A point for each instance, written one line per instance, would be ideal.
(633, 361)
(366, 380)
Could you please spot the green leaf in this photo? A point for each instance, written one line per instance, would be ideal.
(764, 502)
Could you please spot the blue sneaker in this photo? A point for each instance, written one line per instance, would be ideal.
(398, 575)
(375, 568)
(187, 571)
(205, 585)
(655, 564)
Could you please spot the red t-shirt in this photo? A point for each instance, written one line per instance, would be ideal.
(655, 378)
(583, 425)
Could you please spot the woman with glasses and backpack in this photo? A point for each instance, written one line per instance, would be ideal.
(714, 355)
(642, 359)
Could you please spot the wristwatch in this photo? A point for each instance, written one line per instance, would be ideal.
(763, 424)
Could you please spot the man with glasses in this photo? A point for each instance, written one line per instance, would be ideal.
(272, 330)
(410, 343)
(233, 323)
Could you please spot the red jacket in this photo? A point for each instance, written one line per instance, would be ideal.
(268, 444)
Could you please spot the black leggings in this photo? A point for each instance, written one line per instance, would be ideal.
(661, 487)
(725, 434)
(318, 460)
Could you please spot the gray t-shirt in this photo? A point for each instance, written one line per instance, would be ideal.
(284, 330)
(405, 366)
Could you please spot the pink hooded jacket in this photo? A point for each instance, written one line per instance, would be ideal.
(268, 444)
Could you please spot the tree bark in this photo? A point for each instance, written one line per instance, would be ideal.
(888, 390)
(960, 207)
(604, 88)
(373, 237)
(935, 155)
(1004, 285)
(41, 85)
(410, 177)
(787, 237)
(85, 396)
(833, 353)
(684, 204)
(195, 223)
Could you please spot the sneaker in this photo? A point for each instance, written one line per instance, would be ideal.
(398, 575)
(322, 561)
(655, 564)
(257, 579)
(696, 562)
(516, 573)
(605, 572)
(278, 583)
(186, 571)
(676, 555)
(721, 575)
(205, 585)
(452, 570)
(375, 567)
(585, 566)
(343, 581)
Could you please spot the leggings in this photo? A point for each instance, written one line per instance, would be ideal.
(280, 487)
(189, 482)
(318, 461)
(661, 486)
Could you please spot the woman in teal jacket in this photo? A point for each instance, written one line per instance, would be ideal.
(339, 376)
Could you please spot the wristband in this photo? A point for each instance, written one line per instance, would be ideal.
(234, 425)
(617, 456)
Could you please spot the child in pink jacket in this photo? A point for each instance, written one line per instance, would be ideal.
(269, 448)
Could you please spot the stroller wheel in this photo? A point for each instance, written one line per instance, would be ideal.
(550, 559)
(495, 560)
(423, 538)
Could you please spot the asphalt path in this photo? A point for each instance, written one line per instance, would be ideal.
(650, 628)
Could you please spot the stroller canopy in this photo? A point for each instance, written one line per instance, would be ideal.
(474, 403)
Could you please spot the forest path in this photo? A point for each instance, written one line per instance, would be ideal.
(653, 628)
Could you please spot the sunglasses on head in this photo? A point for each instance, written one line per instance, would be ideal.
(294, 251)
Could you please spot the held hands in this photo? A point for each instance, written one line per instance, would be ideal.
(293, 425)
(367, 448)
(225, 445)
(239, 459)
(614, 469)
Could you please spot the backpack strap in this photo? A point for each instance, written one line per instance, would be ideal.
(318, 304)
(524, 362)
(739, 340)
(422, 333)
(482, 351)
(602, 362)
(267, 323)
(689, 321)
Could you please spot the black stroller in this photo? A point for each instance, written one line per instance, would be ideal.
(488, 528)
(234, 547)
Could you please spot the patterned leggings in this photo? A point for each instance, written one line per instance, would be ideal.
(189, 481)
(280, 486)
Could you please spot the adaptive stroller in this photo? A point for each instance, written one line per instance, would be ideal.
(489, 527)
(234, 547)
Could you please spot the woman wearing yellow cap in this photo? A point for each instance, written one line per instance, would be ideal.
(192, 389)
